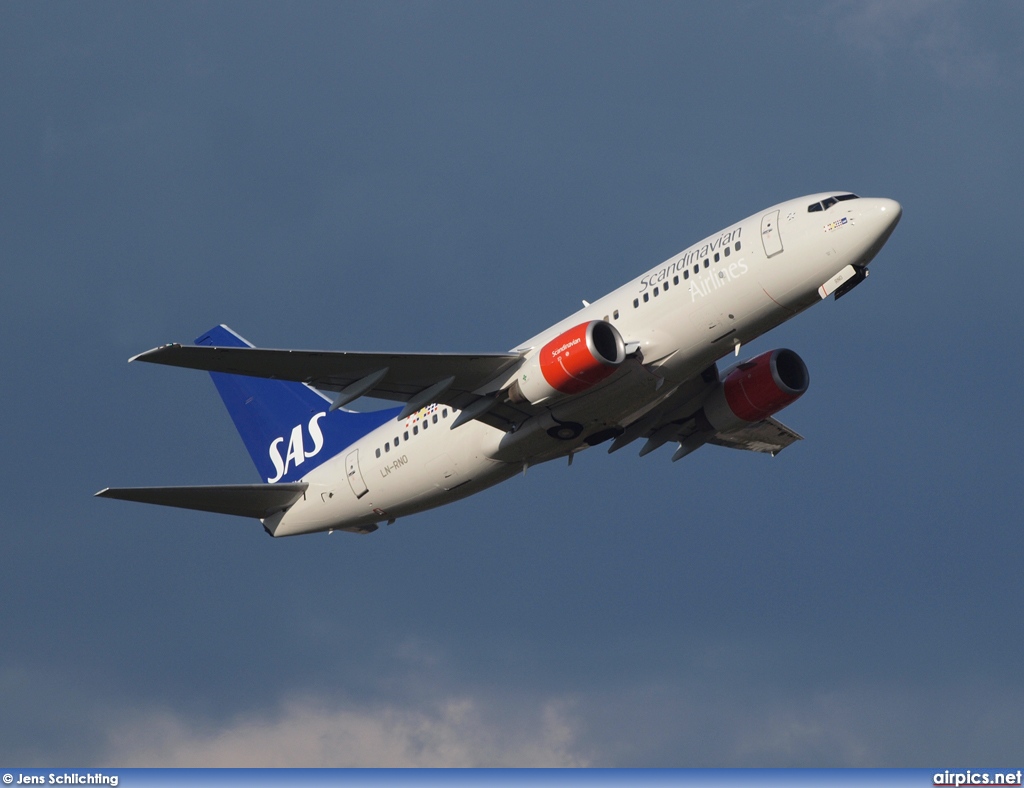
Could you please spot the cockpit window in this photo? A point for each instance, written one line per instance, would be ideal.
(828, 202)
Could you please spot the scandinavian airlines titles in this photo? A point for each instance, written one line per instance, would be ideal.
(701, 287)
(689, 257)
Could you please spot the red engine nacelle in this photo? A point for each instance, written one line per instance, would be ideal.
(570, 363)
(756, 389)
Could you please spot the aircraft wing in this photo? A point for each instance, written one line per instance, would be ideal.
(679, 419)
(455, 379)
(245, 500)
(407, 373)
(768, 436)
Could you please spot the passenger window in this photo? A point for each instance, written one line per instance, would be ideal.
(415, 430)
(378, 452)
(696, 268)
(675, 279)
(737, 246)
(427, 423)
(727, 251)
(387, 447)
(405, 435)
(636, 303)
(655, 292)
(686, 274)
(647, 297)
(615, 314)
(434, 418)
(717, 258)
(396, 441)
(444, 413)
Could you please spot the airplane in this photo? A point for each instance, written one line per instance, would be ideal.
(639, 363)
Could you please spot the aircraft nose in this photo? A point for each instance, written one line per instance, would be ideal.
(890, 211)
(881, 216)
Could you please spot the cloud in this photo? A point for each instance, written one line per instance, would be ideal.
(453, 733)
(701, 718)
(855, 724)
(747, 710)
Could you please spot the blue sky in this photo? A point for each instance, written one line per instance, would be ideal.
(457, 176)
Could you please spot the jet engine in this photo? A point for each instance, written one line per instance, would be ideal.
(756, 389)
(570, 363)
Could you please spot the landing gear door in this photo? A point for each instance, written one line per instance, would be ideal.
(770, 234)
(355, 478)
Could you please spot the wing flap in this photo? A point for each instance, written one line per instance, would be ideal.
(245, 500)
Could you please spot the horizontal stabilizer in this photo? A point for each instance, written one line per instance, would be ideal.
(768, 436)
(245, 500)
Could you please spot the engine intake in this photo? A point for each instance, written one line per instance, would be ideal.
(757, 389)
(570, 363)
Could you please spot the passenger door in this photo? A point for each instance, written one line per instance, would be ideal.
(355, 477)
(770, 236)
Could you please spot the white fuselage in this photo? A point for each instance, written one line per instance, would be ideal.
(684, 315)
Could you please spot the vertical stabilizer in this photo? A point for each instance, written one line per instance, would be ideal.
(287, 427)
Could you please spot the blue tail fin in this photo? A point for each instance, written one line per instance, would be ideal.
(287, 427)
